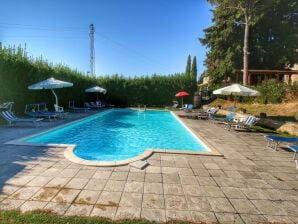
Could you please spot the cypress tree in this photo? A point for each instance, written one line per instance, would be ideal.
(194, 68)
(188, 66)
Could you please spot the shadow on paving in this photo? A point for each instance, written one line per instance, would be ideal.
(14, 159)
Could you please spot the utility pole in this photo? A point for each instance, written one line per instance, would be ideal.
(92, 50)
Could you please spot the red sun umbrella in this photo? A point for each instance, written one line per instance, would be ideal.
(182, 94)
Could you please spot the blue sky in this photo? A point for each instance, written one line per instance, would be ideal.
(132, 37)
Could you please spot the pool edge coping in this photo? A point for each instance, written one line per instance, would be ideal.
(69, 148)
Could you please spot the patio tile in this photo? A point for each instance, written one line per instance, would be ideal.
(32, 205)
(206, 181)
(153, 178)
(39, 181)
(164, 157)
(221, 205)
(45, 194)
(25, 193)
(289, 207)
(173, 189)
(255, 183)
(76, 183)
(169, 170)
(182, 164)
(203, 217)
(168, 163)
(233, 174)
(188, 180)
(185, 171)
(153, 201)
(171, 178)
(175, 202)
(153, 162)
(114, 185)
(193, 190)
(87, 197)
(95, 184)
(278, 219)
(155, 156)
(10, 204)
(211, 166)
(104, 211)
(133, 186)
(58, 182)
(157, 215)
(7, 190)
(268, 208)
(196, 165)
(153, 169)
(79, 210)
(68, 172)
(66, 195)
(155, 188)
(58, 208)
(128, 213)
(124, 168)
(211, 191)
(109, 198)
(233, 192)
(227, 218)
(201, 172)
(136, 176)
(87, 173)
(172, 215)
(217, 173)
(99, 174)
(244, 206)
(198, 203)
(293, 218)
(136, 170)
(253, 219)
(131, 200)
(119, 176)
(253, 193)
(19, 181)
(51, 172)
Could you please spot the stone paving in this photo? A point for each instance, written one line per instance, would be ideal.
(250, 184)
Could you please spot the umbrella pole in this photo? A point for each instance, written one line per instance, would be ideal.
(55, 97)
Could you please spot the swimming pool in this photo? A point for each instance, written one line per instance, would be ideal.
(120, 134)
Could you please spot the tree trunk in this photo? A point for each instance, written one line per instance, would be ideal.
(246, 49)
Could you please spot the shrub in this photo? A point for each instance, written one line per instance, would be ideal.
(271, 92)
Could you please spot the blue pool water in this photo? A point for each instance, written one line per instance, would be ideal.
(119, 134)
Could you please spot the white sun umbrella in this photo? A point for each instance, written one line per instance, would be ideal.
(51, 84)
(236, 90)
(96, 89)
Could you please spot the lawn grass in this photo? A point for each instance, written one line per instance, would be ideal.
(42, 217)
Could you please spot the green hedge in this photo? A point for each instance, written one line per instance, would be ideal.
(17, 72)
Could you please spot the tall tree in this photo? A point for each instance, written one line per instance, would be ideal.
(245, 9)
(193, 74)
(188, 66)
(272, 42)
(194, 68)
